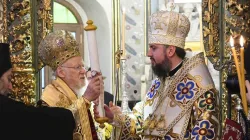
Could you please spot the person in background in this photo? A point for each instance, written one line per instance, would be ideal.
(19, 121)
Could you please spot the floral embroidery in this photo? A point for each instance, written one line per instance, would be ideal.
(60, 42)
(187, 134)
(152, 92)
(63, 101)
(167, 137)
(208, 101)
(203, 131)
(185, 90)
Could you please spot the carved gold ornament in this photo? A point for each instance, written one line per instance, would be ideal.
(230, 18)
(19, 22)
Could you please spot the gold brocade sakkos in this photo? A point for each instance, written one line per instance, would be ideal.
(55, 49)
(58, 94)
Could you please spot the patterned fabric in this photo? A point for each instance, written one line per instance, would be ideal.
(232, 131)
(92, 126)
(129, 130)
(153, 91)
(203, 130)
(205, 118)
(186, 90)
(130, 124)
(207, 102)
(168, 28)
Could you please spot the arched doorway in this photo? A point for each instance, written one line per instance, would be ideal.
(70, 21)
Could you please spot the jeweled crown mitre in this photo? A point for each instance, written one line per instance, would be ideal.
(57, 47)
(168, 28)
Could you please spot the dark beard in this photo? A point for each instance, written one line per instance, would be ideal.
(162, 70)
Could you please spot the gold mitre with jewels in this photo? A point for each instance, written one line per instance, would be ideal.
(168, 28)
(57, 47)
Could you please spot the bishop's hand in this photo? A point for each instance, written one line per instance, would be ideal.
(94, 88)
(109, 111)
(115, 109)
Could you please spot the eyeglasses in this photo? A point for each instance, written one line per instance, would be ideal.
(79, 68)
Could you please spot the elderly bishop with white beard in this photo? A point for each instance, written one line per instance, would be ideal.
(59, 50)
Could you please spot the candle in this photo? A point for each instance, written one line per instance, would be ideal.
(93, 51)
(94, 59)
(123, 31)
(243, 86)
(116, 87)
(236, 64)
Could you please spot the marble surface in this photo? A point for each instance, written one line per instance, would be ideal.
(134, 46)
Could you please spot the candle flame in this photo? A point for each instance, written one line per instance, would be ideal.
(231, 41)
(241, 41)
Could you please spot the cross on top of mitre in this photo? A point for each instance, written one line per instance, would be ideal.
(170, 5)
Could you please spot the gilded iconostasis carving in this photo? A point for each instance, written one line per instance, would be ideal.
(23, 31)
(1, 20)
(237, 21)
(19, 37)
(221, 20)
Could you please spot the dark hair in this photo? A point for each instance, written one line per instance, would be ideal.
(180, 52)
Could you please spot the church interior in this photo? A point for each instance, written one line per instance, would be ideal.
(122, 46)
